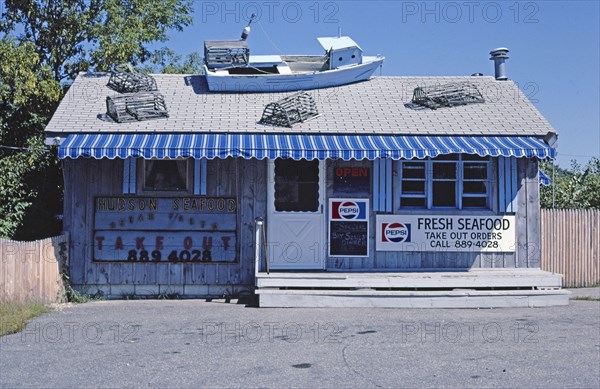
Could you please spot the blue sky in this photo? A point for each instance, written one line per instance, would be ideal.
(554, 46)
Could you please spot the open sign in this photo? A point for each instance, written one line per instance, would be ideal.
(352, 172)
(351, 181)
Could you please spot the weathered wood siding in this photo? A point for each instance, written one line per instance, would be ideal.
(571, 245)
(30, 271)
(526, 255)
(87, 178)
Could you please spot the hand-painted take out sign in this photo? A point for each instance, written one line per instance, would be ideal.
(151, 229)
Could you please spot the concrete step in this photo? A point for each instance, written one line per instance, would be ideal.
(278, 298)
(496, 278)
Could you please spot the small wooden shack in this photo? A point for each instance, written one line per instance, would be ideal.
(396, 191)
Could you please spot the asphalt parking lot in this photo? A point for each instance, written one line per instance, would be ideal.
(191, 343)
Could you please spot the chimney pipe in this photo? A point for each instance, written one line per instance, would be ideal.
(499, 56)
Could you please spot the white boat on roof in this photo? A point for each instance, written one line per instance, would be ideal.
(229, 67)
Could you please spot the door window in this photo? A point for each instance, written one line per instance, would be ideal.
(296, 185)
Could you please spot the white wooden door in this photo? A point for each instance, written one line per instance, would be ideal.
(296, 219)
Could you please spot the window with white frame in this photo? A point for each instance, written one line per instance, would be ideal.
(454, 181)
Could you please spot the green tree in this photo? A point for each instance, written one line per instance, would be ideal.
(574, 188)
(27, 93)
(44, 44)
(593, 168)
(166, 61)
(76, 35)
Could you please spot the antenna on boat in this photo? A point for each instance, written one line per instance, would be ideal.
(246, 31)
(268, 37)
(339, 32)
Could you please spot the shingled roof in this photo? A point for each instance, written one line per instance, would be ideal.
(378, 106)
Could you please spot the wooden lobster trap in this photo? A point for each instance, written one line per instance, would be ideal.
(136, 107)
(296, 108)
(447, 95)
(125, 79)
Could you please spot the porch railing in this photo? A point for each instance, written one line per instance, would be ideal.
(261, 261)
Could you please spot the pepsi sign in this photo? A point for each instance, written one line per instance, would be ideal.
(395, 232)
(348, 227)
(351, 210)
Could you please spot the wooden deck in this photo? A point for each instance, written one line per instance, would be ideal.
(460, 289)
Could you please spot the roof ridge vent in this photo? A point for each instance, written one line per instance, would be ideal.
(125, 79)
(290, 110)
(447, 95)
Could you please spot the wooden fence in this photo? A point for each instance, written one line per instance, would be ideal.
(30, 271)
(571, 245)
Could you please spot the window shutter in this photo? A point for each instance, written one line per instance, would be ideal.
(129, 175)
(507, 184)
(382, 185)
(200, 177)
(376, 185)
(513, 185)
(388, 185)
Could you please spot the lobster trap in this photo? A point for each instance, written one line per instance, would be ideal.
(136, 107)
(125, 79)
(224, 54)
(447, 95)
(296, 108)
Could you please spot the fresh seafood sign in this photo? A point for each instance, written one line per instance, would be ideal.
(445, 233)
(156, 229)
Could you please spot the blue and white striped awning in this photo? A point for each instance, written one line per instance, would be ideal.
(296, 146)
(544, 179)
